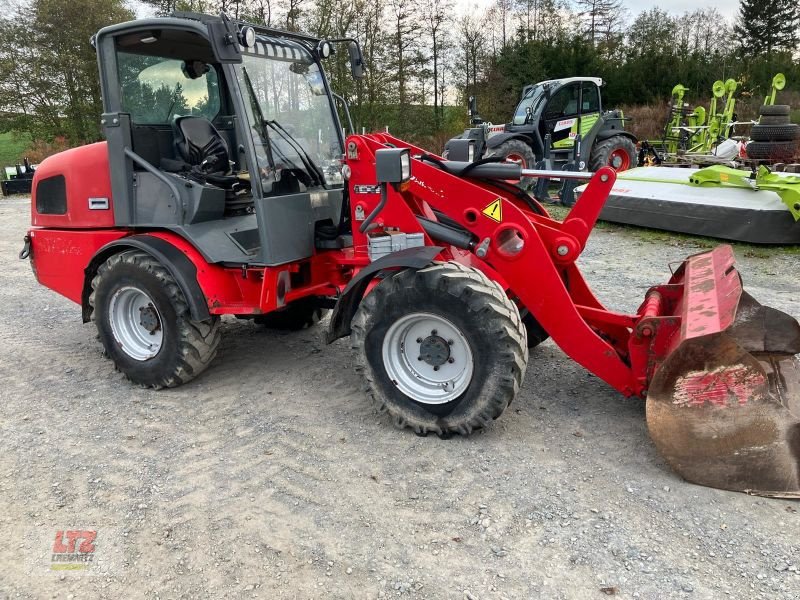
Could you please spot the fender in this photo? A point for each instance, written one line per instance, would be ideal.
(496, 140)
(347, 305)
(532, 139)
(175, 261)
(608, 133)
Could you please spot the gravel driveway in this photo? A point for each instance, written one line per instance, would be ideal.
(271, 476)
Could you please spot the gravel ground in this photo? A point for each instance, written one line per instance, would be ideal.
(271, 476)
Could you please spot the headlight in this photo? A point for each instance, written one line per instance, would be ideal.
(247, 37)
(393, 165)
(325, 49)
(405, 166)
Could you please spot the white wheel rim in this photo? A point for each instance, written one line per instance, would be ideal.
(427, 358)
(135, 323)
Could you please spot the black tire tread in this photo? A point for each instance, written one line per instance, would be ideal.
(775, 133)
(774, 120)
(772, 150)
(774, 110)
(492, 309)
(199, 341)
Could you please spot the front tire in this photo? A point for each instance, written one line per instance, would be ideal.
(617, 152)
(441, 349)
(144, 324)
(519, 152)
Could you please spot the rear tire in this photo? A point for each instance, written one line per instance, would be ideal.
(144, 324)
(517, 151)
(294, 317)
(463, 316)
(617, 152)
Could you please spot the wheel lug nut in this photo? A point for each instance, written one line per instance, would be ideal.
(434, 332)
(420, 358)
(436, 368)
(451, 360)
(419, 340)
(449, 342)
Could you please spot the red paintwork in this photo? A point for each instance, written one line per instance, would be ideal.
(623, 350)
(85, 170)
(59, 256)
(712, 289)
(729, 385)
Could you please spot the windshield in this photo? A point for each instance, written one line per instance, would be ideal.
(290, 115)
(531, 99)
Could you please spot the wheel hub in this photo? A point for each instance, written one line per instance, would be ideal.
(135, 323)
(149, 318)
(428, 358)
(434, 350)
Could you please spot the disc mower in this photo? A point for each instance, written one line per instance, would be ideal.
(225, 186)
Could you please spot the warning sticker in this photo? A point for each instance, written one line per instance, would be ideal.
(494, 211)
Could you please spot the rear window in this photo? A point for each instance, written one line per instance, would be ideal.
(51, 196)
(155, 90)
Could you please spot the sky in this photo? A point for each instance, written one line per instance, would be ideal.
(728, 8)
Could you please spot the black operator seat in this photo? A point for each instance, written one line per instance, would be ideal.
(203, 153)
(200, 144)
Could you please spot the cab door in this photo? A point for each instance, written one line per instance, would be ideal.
(561, 116)
(590, 108)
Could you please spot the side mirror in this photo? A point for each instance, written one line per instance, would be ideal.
(356, 61)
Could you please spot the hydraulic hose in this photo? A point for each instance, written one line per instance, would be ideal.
(371, 217)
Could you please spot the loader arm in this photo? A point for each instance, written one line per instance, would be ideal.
(544, 260)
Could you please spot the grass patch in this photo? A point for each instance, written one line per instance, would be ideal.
(12, 148)
(657, 236)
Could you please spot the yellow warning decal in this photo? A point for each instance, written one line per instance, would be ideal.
(494, 211)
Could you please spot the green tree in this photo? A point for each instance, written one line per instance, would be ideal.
(767, 26)
(48, 67)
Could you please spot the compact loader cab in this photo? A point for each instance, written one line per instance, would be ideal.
(227, 154)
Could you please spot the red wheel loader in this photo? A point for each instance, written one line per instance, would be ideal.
(225, 186)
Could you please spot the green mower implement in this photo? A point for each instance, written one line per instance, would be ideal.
(787, 187)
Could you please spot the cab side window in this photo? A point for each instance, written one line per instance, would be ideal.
(564, 103)
(155, 89)
(591, 98)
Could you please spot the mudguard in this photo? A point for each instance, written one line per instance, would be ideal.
(175, 261)
(533, 139)
(347, 305)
